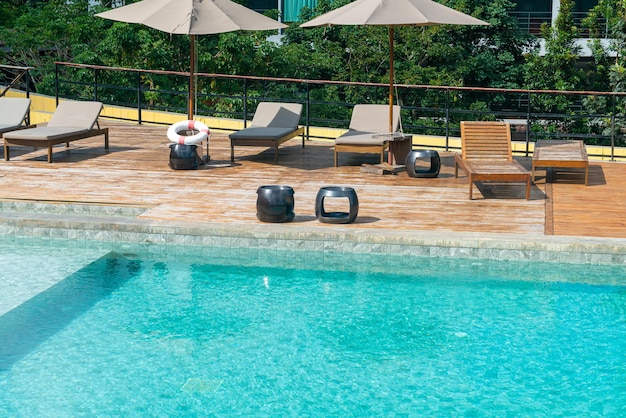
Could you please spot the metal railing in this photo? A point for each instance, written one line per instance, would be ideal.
(597, 118)
(531, 22)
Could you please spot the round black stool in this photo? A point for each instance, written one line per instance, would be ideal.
(275, 203)
(336, 217)
(435, 163)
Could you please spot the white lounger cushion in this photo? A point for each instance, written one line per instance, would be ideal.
(367, 122)
(373, 118)
(76, 114)
(13, 111)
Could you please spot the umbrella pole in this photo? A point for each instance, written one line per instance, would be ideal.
(390, 79)
(192, 70)
(389, 154)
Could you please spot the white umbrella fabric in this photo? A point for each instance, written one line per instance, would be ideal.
(393, 13)
(192, 17)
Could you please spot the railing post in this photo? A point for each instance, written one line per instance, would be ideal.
(245, 102)
(447, 119)
(307, 118)
(613, 128)
(138, 97)
(56, 83)
(95, 84)
(27, 82)
(527, 122)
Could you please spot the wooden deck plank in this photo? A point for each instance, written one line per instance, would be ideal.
(135, 171)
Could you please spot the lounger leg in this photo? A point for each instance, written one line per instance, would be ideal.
(106, 138)
(528, 188)
(456, 169)
(6, 152)
(276, 154)
(471, 186)
(50, 153)
(336, 158)
(232, 152)
(587, 176)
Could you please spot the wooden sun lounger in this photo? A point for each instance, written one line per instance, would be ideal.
(560, 154)
(71, 121)
(487, 156)
(272, 125)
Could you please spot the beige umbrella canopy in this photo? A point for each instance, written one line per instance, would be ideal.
(393, 13)
(192, 17)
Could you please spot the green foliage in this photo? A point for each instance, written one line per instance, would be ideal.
(611, 65)
(499, 55)
(55, 31)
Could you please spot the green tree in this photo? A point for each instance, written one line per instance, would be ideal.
(610, 65)
(556, 68)
(56, 31)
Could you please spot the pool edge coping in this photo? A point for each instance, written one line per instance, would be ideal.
(341, 238)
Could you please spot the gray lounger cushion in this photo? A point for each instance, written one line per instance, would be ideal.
(359, 137)
(264, 133)
(45, 132)
(69, 118)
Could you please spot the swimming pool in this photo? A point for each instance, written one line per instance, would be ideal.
(181, 331)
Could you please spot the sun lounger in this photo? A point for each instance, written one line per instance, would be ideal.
(366, 133)
(273, 124)
(71, 121)
(13, 112)
(486, 155)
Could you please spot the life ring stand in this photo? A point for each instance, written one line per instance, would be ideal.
(188, 125)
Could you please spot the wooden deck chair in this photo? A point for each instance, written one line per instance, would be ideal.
(486, 155)
(273, 124)
(367, 123)
(13, 112)
(71, 121)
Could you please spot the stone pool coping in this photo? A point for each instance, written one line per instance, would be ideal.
(109, 225)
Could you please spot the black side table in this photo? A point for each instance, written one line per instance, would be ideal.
(413, 156)
(275, 203)
(336, 217)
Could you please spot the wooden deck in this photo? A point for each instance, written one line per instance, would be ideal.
(135, 171)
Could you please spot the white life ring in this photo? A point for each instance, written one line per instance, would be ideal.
(194, 125)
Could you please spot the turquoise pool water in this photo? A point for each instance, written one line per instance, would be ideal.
(140, 331)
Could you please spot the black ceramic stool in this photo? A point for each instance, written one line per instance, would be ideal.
(184, 157)
(435, 163)
(336, 217)
(275, 203)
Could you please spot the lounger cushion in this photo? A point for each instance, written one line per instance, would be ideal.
(76, 114)
(374, 118)
(360, 138)
(262, 133)
(13, 110)
(44, 133)
(277, 115)
(6, 128)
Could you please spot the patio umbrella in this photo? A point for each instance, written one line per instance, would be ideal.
(393, 13)
(192, 17)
